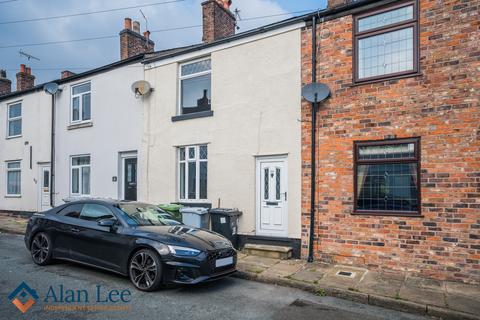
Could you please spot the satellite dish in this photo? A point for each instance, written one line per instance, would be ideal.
(315, 92)
(50, 88)
(141, 88)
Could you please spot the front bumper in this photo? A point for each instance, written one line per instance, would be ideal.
(198, 269)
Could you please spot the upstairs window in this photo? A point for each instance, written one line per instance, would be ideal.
(81, 103)
(387, 177)
(14, 120)
(192, 172)
(14, 178)
(386, 42)
(195, 86)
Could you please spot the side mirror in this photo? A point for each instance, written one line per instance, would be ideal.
(109, 223)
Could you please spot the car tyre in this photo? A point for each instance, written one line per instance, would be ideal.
(41, 249)
(145, 270)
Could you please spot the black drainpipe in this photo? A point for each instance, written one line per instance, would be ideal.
(52, 155)
(314, 130)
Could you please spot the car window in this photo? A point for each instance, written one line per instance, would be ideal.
(95, 212)
(72, 211)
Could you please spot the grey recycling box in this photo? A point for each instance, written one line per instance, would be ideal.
(195, 217)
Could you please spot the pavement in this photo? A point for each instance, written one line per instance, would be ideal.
(64, 288)
(396, 291)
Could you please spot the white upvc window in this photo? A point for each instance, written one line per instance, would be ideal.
(14, 178)
(192, 172)
(80, 175)
(195, 86)
(81, 103)
(14, 120)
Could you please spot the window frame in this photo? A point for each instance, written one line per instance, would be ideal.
(20, 102)
(72, 96)
(197, 161)
(80, 178)
(411, 23)
(416, 159)
(7, 170)
(190, 76)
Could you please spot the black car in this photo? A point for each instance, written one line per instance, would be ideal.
(132, 239)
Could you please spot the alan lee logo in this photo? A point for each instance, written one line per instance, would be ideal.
(59, 294)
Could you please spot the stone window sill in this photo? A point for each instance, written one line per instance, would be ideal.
(80, 125)
(196, 115)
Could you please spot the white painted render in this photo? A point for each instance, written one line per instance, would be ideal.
(36, 125)
(255, 97)
(117, 119)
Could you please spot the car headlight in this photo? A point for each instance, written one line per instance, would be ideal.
(183, 251)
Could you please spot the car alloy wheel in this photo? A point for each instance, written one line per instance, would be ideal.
(40, 249)
(145, 270)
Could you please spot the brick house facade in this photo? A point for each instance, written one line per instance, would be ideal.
(438, 105)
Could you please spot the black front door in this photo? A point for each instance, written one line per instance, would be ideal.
(130, 176)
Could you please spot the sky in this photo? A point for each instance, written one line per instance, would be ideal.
(81, 56)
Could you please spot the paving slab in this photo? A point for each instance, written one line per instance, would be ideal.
(381, 284)
(468, 290)
(310, 273)
(333, 279)
(284, 269)
(429, 291)
(463, 303)
(263, 262)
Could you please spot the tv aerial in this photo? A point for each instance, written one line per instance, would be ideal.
(28, 56)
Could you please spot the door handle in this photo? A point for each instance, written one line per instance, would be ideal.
(75, 230)
(272, 203)
(285, 195)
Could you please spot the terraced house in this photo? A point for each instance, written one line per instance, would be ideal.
(398, 144)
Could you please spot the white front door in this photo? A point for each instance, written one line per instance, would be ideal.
(44, 185)
(272, 195)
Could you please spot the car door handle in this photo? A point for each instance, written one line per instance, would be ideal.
(75, 230)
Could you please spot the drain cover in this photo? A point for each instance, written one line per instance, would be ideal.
(348, 274)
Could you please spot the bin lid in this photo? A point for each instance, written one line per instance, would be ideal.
(195, 210)
(226, 212)
(170, 206)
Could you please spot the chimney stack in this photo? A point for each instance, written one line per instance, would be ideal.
(132, 42)
(218, 20)
(66, 74)
(5, 83)
(338, 3)
(25, 79)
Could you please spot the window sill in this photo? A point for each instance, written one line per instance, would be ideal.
(14, 137)
(196, 115)
(13, 196)
(79, 125)
(388, 214)
(356, 83)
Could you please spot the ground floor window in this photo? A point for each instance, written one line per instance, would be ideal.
(387, 177)
(192, 172)
(14, 175)
(80, 175)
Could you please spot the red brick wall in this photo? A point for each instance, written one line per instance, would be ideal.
(133, 43)
(442, 107)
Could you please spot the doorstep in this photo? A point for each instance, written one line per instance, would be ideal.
(398, 291)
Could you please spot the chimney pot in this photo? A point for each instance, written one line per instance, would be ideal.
(218, 20)
(3, 74)
(136, 26)
(128, 24)
(28, 70)
(146, 34)
(22, 68)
